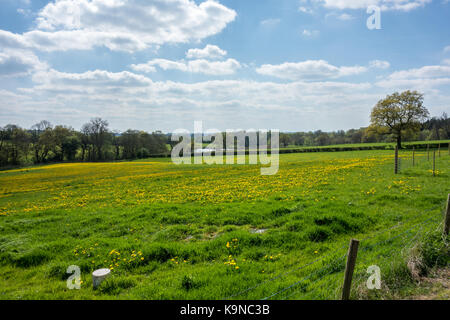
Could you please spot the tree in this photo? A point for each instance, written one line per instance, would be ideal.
(60, 135)
(41, 140)
(97, 131)
(83, 136)
(115, 141)
(70, 146)
(130, 143)
(19, 140)
(284, 139)
(399, 113)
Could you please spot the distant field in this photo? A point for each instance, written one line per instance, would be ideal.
(434, 143)
(210, 232)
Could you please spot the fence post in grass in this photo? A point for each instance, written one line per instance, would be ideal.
(434, 163)
(396, 160)
(439, 150)
(349, 268)
(447, 217)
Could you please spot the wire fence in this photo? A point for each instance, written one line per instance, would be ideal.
(314, 279)
(323, 281)
(427, 159)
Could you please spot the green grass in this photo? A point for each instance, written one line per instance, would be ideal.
(369, 144)
(179, 219)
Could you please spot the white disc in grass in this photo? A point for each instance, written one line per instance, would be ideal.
(101, 272)
(99, 275)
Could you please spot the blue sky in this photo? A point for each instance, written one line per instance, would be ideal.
(293, 65)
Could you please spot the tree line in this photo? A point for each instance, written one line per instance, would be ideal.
(436, 128)
(44, 143)
(399, 117)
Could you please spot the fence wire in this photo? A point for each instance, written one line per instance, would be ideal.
(420, 224)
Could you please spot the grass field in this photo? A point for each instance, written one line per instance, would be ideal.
(213, 232)
(368, 145)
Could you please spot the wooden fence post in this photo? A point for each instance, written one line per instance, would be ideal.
(439, 150)
(447, 217)
(396, 160)
(428, 152)
(434, 163)
(349, 268)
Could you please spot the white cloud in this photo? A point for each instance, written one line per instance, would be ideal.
(83, 40)
(203, 66)
(427, 78)
(107, 94)
(308, 70)
(124, 25)
(226, 67)
(90, 79)
(305, 10)
(18, 63)
(270, 23)
(447, 48)
(310, 33)
(73, 98)
(422, 85)
(379, 64)
(345, 17)
(401, 5)
(209, 52)
(12, 40)
(425, 72)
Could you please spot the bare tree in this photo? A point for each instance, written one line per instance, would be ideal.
(97, 131)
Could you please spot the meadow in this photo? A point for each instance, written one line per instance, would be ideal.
(215, 231)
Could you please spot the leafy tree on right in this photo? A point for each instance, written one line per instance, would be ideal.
(399, 113)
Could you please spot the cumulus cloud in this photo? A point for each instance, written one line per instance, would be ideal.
(425, 72)
(111, 94)
(308, 70)
(18, 63)
(203, 66)
(427, 78)
(204, 61)
(12, 40)
(208, 52)
(123, 25)
(61, 97)
(97, 78)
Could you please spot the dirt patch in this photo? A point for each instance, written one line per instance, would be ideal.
(436, 286)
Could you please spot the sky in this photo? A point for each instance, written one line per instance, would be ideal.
(292, 65)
